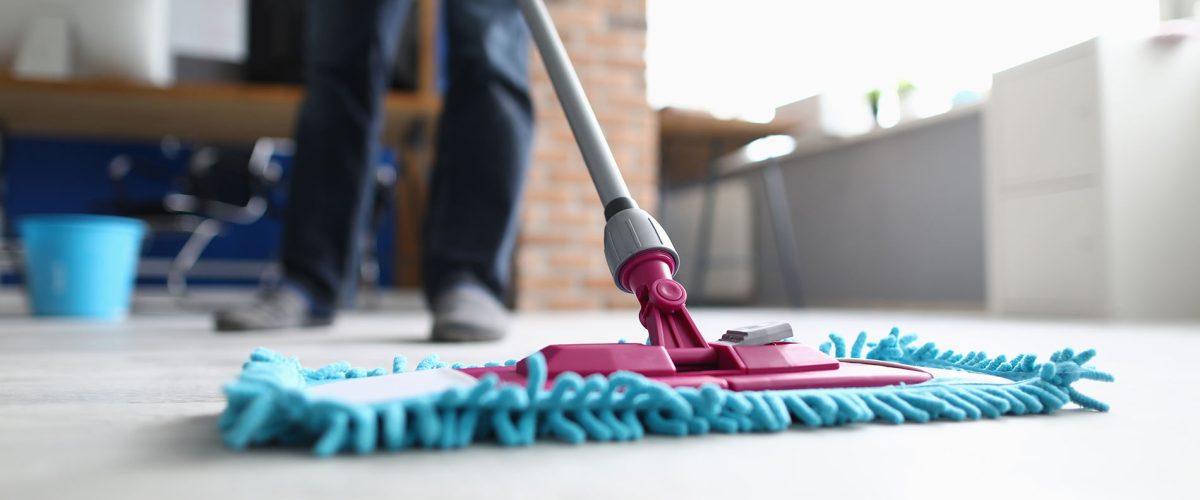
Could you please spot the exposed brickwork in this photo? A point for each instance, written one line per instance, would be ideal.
(560, 260)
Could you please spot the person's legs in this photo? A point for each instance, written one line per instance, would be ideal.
(483, 150)
(350, 46)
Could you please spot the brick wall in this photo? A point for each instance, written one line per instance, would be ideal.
(560, 259)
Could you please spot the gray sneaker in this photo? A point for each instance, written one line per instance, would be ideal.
(466, 311)
(279, 308)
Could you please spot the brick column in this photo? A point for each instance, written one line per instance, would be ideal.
(560, 260)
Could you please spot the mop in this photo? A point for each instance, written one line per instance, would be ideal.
(753, 379)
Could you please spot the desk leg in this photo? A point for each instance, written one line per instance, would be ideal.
(707, 215)
(779, 211)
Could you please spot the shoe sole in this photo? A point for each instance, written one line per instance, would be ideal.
(224, 325)
(464, 333)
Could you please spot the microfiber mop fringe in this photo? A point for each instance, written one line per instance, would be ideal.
(268, 403)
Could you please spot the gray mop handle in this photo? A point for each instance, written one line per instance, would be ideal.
(630, 231)
(596, 154)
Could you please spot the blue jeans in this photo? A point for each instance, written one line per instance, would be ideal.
(483, 147)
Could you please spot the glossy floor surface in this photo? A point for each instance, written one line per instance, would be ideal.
(129, 411)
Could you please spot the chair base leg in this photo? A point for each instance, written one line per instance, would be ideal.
(187, 257)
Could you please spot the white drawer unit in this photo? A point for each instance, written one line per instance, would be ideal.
(1092, 173)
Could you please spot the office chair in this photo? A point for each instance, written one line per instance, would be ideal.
(222, 185)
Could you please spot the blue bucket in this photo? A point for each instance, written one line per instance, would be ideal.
(81, 266)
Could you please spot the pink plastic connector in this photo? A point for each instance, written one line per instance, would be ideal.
(680, 357)
(664, 313)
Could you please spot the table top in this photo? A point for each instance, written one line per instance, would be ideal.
(129, 410)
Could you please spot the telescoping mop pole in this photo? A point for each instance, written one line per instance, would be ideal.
(630, 231)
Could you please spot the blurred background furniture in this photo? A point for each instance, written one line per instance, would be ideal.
(1092, 172)
(889, 218)
(214, 99)
(217, 106)
(221, 185)
(8, 258)
(691, 143)
(98, 39)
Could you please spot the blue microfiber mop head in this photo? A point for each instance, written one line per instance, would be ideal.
(272, 402)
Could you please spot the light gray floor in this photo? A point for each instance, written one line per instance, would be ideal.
(129, 411)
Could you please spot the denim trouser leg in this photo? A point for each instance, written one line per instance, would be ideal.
(483, 146)
(350, 48)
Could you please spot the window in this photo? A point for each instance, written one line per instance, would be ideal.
(743, 58)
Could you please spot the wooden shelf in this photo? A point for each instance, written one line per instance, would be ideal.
(208, 112)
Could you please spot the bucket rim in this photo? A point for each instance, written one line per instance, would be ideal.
(80, 221)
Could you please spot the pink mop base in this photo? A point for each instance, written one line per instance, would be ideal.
(777, 366)
(680, 357)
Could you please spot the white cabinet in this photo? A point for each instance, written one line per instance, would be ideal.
(1092, 173)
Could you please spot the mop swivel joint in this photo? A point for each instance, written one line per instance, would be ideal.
(629, 233)
(643, 262)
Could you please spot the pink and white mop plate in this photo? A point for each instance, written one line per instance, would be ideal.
(679, 356)
(780, 365)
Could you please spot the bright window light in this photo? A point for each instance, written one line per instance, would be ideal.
(744, 58)
(771, 146)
